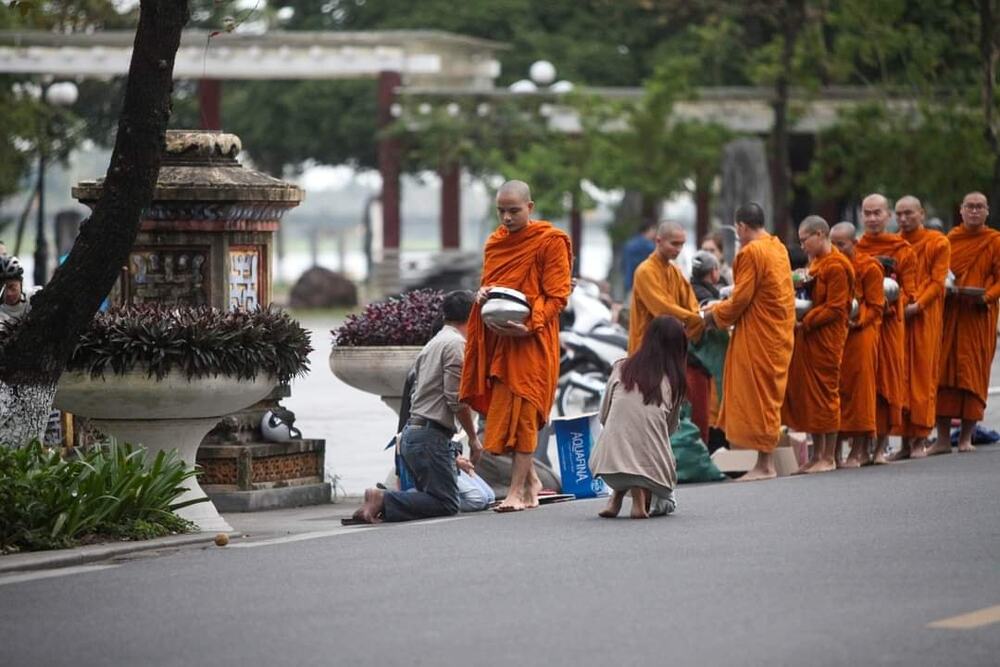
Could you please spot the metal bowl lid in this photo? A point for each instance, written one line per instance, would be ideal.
(508, 294)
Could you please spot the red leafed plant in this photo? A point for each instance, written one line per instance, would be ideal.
(409, 319)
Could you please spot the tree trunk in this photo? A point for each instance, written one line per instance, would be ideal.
(791, 20)
(989, 51)
(33, 357)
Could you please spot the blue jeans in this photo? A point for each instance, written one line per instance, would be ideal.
(429, 455)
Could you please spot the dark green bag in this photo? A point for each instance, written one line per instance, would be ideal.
(693, 462)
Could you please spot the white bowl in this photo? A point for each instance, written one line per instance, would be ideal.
(504, 305)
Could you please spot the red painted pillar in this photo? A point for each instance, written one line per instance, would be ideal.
(389, 151)
(576, 230)
(210, 102)
(451, 206)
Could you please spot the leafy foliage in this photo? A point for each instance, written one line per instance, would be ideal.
(198, 342)
(409, 319)
(48, 502)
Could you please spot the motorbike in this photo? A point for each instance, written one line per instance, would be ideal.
(590, 343)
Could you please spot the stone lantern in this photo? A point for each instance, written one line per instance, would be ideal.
(207, 240)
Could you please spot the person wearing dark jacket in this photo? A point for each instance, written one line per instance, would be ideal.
(705, 276)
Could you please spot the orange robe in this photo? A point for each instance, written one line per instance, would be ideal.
(659, 288)
(762, 308)
(969, 339)
(923, 332)
(860, 363)
(812, 400)
(536, 261)
(892, 373)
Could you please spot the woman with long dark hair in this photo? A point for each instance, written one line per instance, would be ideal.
(640, 409)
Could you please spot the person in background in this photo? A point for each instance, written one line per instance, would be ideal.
(706, 276)
(641, 407)
(713, 244)
(14, 303)
(474, 494)
(635, 252)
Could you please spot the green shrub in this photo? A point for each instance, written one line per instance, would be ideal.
(48, 502)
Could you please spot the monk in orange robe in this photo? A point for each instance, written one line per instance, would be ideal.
(812, 400)
(924, 322)
(893, 396)
(970, 325)
(659, 288)
(510, 371)
(860, 362)
(762, 308)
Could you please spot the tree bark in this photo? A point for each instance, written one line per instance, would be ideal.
(989, 51)
(33, 356)
(791, 18)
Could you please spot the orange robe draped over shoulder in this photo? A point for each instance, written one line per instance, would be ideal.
(536, 261)
(891, 377)
(923, 332)
(659, 288)
(860, 363)
(969, 339)
(812, 399)
(762, 308)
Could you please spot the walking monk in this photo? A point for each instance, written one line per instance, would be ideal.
(762, 308)
(511, 370)
(924, 319)
(970, 325)
(812, 400)
(860, 361)
(659, 288)
(891, 377)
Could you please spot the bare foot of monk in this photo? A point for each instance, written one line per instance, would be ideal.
(822, 465)
(804, 468)
(764, 469)
(851, 462)
(514, 502)
(918, 450)
(531, 491)
(964, 447)
(640, 499)
(940, 447)
(903, 454)
(371, 510)
(614, 505)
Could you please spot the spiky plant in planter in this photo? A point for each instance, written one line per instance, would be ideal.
(373, 350)
(197, 342)
(163, 377)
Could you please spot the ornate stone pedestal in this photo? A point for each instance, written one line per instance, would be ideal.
(207, 239)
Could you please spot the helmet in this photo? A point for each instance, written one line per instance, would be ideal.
(10, 268)
(277, 427)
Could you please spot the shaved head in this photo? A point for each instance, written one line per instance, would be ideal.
(814, 224)
(975, 210)
(670, 240)
(876, 213)
(909, 214)
(515, 190)
(843, 236)
(514, 205)
(669, 227)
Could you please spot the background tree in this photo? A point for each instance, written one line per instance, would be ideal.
(34, 352)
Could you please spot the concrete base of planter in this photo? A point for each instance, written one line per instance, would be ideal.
(270, 499)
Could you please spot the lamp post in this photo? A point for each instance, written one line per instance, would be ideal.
(62, 94)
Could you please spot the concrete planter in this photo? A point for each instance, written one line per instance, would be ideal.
(379, 370)
(169, 414)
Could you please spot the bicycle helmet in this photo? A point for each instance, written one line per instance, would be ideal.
(10, 268)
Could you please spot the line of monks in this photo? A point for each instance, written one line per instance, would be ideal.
(899, 338)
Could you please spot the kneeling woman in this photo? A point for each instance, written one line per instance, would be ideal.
(640, 409)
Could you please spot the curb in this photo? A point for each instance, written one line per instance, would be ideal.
(46, 560)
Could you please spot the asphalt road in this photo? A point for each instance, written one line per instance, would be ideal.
(844, 568)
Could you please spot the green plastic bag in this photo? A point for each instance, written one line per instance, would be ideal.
(693, 462)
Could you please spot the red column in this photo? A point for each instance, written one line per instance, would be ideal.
(576, 231)
(389, 160)
(210, 102)
(451, 206)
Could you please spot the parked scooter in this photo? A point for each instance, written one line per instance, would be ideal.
(590, 344)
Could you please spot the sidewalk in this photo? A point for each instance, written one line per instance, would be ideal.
(247, 527)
